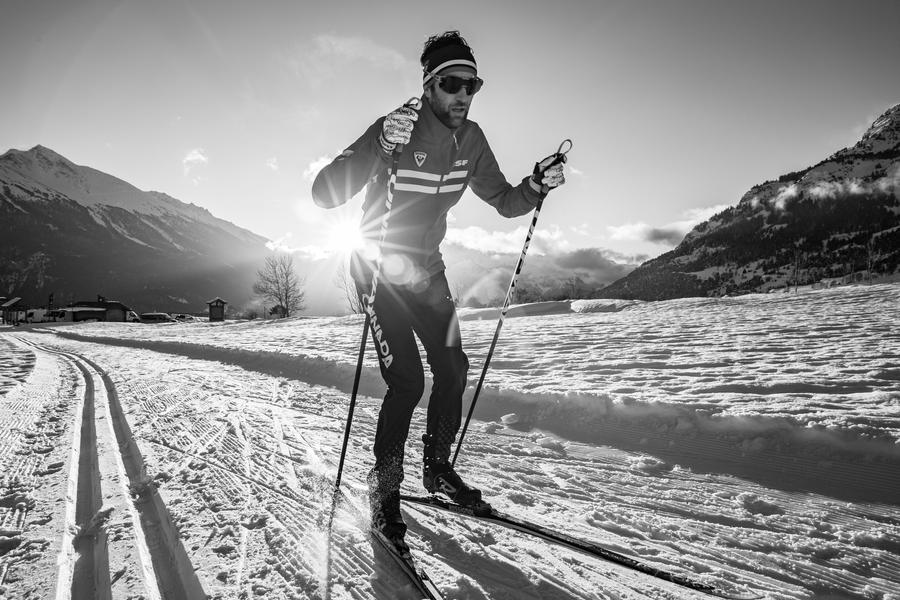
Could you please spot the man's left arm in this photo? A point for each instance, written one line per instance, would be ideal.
(489, 184)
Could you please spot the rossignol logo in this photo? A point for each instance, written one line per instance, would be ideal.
(420, 158)
(384, 349)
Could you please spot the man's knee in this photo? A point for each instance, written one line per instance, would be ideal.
(452, 373)
(409, 386)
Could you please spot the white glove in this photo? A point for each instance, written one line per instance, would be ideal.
(549, 173)
(397, 128)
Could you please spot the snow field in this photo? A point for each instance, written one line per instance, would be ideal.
(791, 493)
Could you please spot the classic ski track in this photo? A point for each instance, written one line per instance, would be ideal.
(38, 449)
(161, 561)
(83, 563)
(91, 573)
(176, 577)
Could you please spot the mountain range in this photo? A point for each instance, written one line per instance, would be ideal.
(837, 220)
(77, 233)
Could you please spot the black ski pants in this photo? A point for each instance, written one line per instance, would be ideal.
(400, 315)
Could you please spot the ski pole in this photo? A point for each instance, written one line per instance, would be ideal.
(369, 303)
(560, 156)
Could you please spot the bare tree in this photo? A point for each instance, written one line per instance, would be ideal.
(795, 272)
(345, 283)
(278, 282)
(871, 257)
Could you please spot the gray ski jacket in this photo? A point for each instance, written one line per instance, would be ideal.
(435, 168)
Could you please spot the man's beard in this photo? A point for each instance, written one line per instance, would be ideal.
(450, 118)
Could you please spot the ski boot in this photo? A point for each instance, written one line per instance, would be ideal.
(439, 477)
(384, 507)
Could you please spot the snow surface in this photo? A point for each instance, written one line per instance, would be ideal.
(754, 441)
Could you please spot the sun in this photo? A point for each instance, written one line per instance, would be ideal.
(344, 237)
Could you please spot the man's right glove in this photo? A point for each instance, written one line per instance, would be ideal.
(397, 128)
(549, 173)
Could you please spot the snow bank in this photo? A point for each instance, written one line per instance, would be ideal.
(533, 309)
(596, 419)
(557, 307)
(794, 380)
(601, 305)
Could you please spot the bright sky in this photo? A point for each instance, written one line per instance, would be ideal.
(676, 107)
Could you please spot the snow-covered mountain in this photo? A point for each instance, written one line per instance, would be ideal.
(77, 232)
(839, 218)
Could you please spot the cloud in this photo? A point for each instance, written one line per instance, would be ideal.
(595, 266)
(313, 168)
(669, 234)
(193, 159)
(272, 163)
(327, 54)
(822, 190)
(575, 171)
(890, 183)
(583, 229)
(784, 195)
(585, 258)
(695, 216)
(544, 241)
(628, 231)
(309, 252)
(483, 277)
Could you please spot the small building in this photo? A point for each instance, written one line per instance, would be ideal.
(113, 310)
(77, 314)
(216, 309)
(12, 311)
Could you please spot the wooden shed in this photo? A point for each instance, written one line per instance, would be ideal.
(113, 310)
(216, 309)
(12, 311)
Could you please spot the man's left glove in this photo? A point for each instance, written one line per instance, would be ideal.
(549, 173)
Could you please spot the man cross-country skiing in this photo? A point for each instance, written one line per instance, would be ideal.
(443, 153)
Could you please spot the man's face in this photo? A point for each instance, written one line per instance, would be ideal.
(451, 109)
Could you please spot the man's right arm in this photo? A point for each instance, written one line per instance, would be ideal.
(351, 170)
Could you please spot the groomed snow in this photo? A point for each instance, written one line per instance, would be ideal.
(754, 441)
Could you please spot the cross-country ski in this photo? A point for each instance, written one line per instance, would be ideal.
(593, 549)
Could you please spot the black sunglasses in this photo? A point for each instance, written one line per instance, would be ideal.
(452, 84)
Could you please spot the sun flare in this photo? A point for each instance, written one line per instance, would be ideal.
(344, 236)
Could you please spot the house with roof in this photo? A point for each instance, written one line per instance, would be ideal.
(105, 310)
(12, 311)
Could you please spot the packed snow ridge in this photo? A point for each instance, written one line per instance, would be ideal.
(808, 373)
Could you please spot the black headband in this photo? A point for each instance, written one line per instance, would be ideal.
(446, 57)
